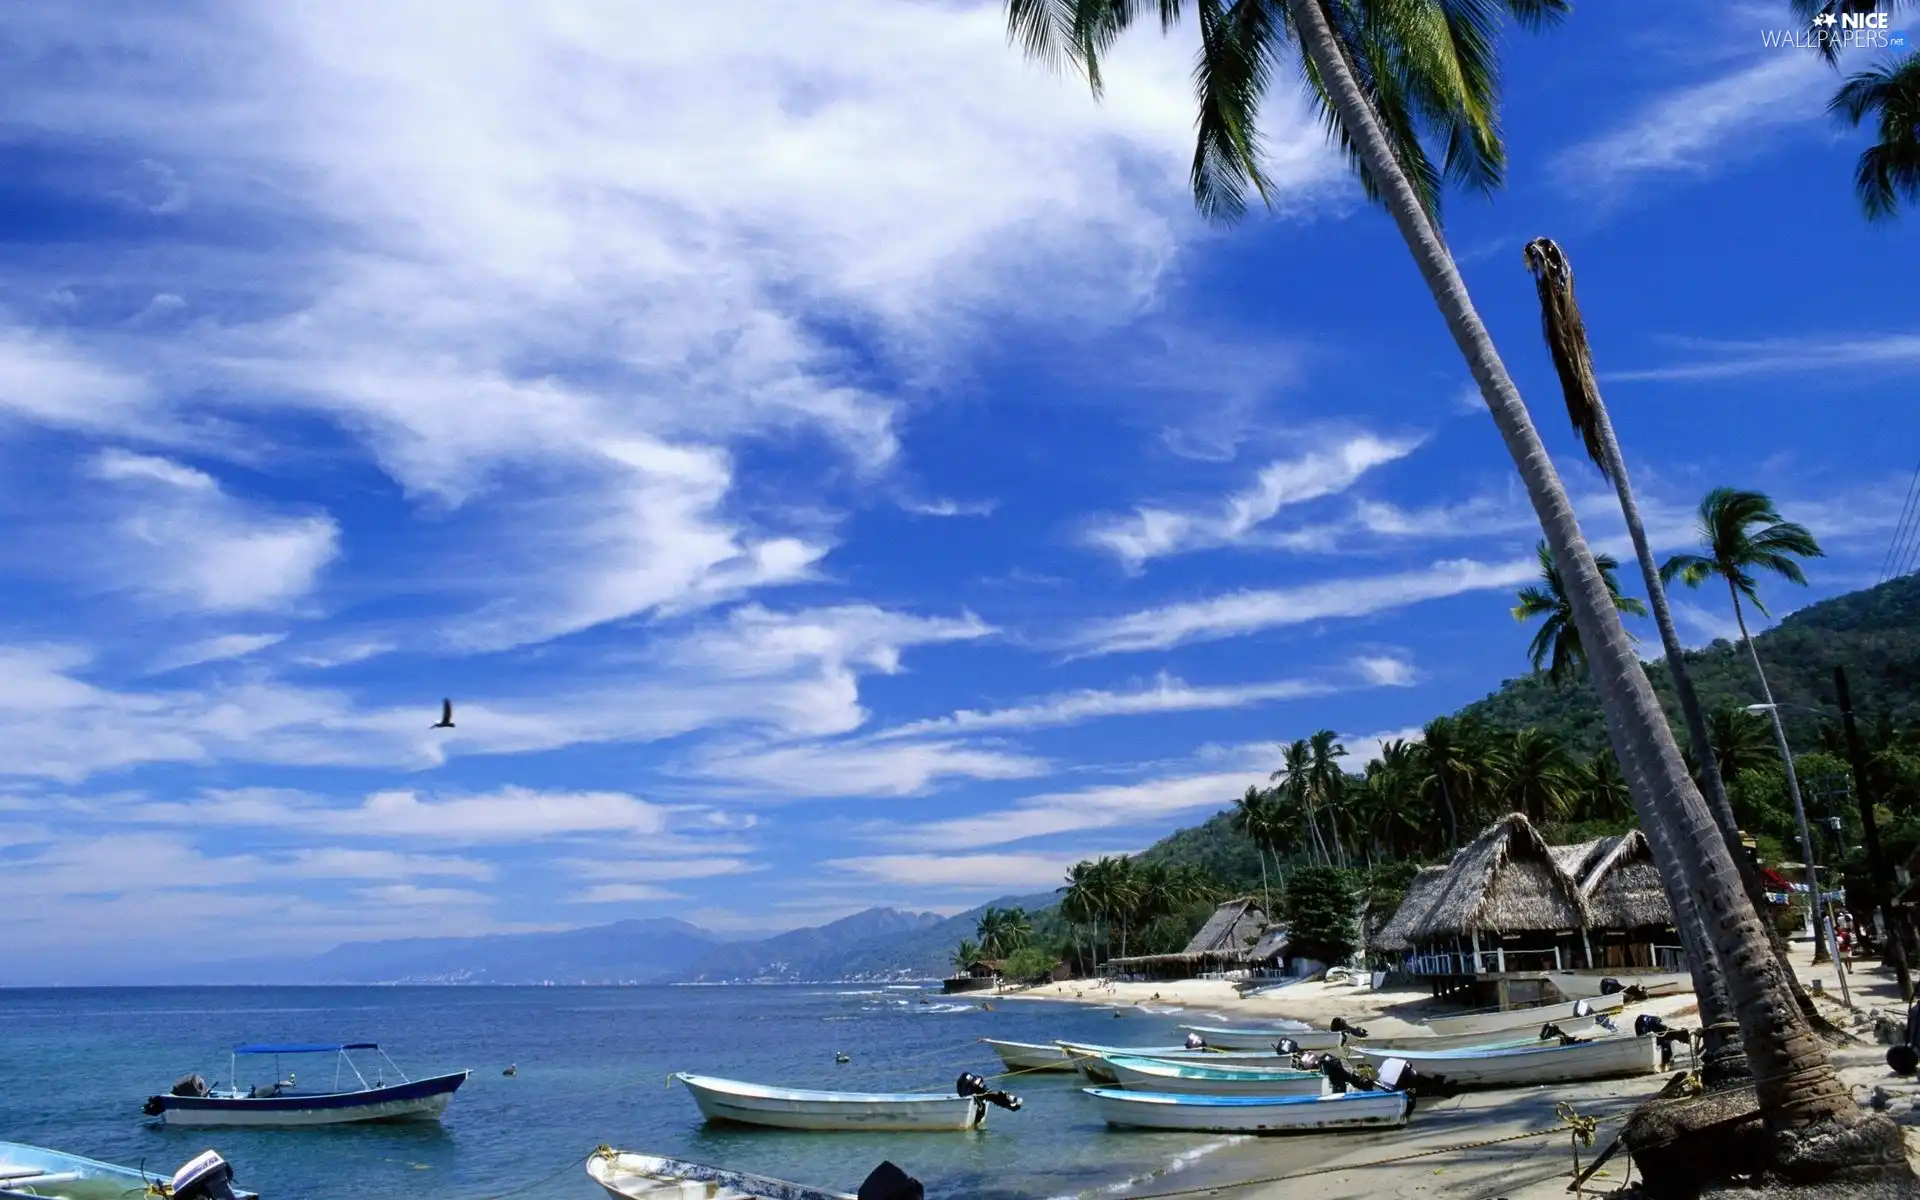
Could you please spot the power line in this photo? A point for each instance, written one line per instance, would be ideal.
(1902, 531)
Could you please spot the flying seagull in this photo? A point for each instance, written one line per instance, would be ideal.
(446, 716)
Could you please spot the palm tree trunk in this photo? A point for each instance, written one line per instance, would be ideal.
(1820, 944)
(1795, 1085)
(1453, 820)
(1696, 720)
(1264, 889)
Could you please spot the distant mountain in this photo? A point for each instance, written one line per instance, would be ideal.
(649, 951)
(861, 944)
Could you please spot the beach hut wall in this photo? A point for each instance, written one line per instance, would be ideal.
(1395, 936)
(1504, 881)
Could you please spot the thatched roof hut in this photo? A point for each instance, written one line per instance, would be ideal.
(1395, 936)
(1578, 859)
(1504, 881)
(1230, 930)
(1623, 888)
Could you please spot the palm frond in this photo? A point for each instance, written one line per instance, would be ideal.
(1566, 335)
(1229, 80)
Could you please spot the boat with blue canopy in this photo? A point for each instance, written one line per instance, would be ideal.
(286, 1102)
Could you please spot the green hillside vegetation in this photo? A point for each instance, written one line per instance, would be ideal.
(1537, 745)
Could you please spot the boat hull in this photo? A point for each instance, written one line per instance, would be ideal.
(1027, 1056)
(1251, 1114)
(36, 1173)
(1486, 1040)
(628, 1176)
(1091, 1061)
(1520, 1066)
(1189, 1079)
(420, 1100)
(1306, 1038)
(1659, 983)
(734, 1102)
(1525, 1018)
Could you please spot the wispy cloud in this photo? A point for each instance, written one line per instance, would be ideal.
(1165, 694)
(1784, 356)
(1150, 533)
(944, 507)
(224, 648)
(1241, 613)
(974, 872)
(1696, 128)
(863, 768)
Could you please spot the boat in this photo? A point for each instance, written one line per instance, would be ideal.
(1587, 986)
(736, 1102)
(1091, 1061)
(629, 1176)
(36, 1173)
(1584, 1028)
(1524, 1018)
(1263, 1037)
(1028, 1056)
(1535, 1062)
(1205, 1079)
(1252, 1114)
(285, 1103)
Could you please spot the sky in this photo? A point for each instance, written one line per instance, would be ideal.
(823, 455)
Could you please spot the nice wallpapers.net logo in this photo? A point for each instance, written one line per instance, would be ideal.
(1843, 31)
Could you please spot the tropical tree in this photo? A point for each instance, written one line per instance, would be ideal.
(1296, 791)
(1080, 907)
(1556, 644)
(965, 954)
(1535, 776)
(1253, 816)
(1741, 742)
(1325, 782)
(1889, 170)
(1446, 769)
(1003, 930)
(1387, 71)
(1603, 789)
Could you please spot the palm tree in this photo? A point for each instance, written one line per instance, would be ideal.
(1446, 766)
(1536, 777)
(1253, 818)
(1373, 63)
(1077, 903)
(1741, 742)
(1889, 170)
(1603, 788)
(1296, 790)
(1325, 781)
(1565, 330)
(1557, 642)
(965, 955)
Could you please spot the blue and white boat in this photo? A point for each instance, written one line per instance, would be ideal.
(286, 1102)
(1252, 1114)
(36, 1173)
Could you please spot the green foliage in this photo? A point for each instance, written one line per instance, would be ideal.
(1319, 908)
(1029, 962)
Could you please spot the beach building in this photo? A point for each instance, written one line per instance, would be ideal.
(1225, 945)
(1631, 925)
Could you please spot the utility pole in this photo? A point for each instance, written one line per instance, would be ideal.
(1891, 919)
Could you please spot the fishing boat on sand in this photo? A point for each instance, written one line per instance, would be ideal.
(629, 1176)
(1029, 1056)
(1588, 1028)
(735, 1102)
(36, 1173)
(1263, 1037)
(284, 1103)
(1530, 1063)
(1328, 1113)
(1576, 986)
(1523, 1018)
(1091, 1061)
(1205, 1079)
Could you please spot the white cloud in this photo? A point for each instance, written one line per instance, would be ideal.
(1053, 813)
(1783, 356)
(179, 537)
(1707, 625)
(1386, 670)
(44, 378)
(635, 870)
(965, 871)
(623, 893)
(337, 862)
(903, 768)
(511, 814)
(1247, 612)
(944, 507)
(1695, 128)
(1156, 532)
(214, 649)
(1165, 694)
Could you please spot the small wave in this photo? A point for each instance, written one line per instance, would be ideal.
(1174, 1166)
(944, 1008)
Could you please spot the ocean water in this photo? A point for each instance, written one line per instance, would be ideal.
(593, 1065)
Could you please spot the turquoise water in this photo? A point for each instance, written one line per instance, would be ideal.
(592, 1068)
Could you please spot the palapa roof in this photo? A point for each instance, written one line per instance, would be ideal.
(1623, 888)
(1231, 928)
(1578, 859)
(1394, 935)
(1273, 943)
(1506, 880)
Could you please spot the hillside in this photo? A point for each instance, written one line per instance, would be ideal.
(862, 944)
(624, 952)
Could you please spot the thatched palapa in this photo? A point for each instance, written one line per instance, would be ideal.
(1396, 935)
(1623, 886)
(1504, 881)
(1226, 940)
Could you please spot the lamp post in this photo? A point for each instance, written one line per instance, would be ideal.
(1822, 928)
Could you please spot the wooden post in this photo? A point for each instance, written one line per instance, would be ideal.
(1587, 945)
(1500, 956)
(1476, 952)
(1556, 957)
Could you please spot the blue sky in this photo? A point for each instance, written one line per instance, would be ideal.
(823, 456)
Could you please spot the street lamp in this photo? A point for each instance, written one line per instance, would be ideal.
(1821, 926)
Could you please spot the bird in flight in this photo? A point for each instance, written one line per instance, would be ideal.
(446, 716)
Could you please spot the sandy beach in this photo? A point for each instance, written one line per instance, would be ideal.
(1476, 1145)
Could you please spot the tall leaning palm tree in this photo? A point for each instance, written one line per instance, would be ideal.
(1556, 644)
(1565, 330)
(1370, 61)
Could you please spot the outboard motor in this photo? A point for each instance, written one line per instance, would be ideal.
(1634, 994)
(1339, 1025)
(190, 1085)
(888, 1182)
(1610, 985)
(154, 1106)
(970, 1084)
(1607, 1023)
(1549, 1032)
(1903, 1058)
(1286, 1046)
(1340, 1077)
(1196, 1042)
(1647, 1023)
(208, 1177)
(1396, 1075)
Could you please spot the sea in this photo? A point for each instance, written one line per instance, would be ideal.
(592, 1066)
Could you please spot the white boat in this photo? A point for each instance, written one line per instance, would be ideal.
(285, 1103)
(1201, 1079)
(1538, 1062)
(1587, 986)
(629, 1176)
(1263, 1037)
(1528, 1018)
(1091, 1061)
(731, 1100)
(36, 1173)
(1028, 1056)
(1584, 1028)
(1252, 1114)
